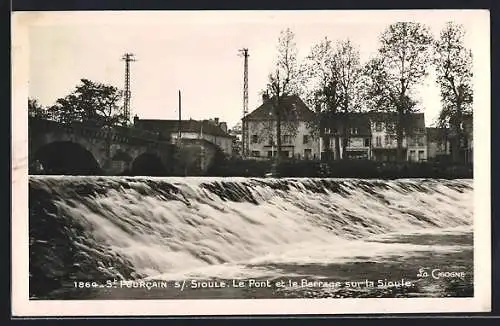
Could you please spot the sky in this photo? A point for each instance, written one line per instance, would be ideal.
(197, 53)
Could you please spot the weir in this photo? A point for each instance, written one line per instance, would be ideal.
(162, 228)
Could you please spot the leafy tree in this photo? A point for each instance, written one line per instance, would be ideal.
(36, 110)
(91, 102)
(453, 63)
(284, 82)
(390, 78)
(333, 74)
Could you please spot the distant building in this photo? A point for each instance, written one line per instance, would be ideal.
(442, 142)
(464, 145)
(467, 144)
(297, 138)
(365, 135)
(414, 142)
(372, 135)
(438, 144)
(469, 126)
(209, 130)
(352, 130)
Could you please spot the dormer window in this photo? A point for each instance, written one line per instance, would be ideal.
(354, 131)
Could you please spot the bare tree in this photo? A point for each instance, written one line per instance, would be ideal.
(347, 56)
(322, 75)
(284, 82)
(334, 81)
(453, 63)
(400, 65)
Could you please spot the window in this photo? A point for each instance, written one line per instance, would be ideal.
(378, 141)
(378, 126)
(255, 153)
(412, 155)
(270, 140)
(390, 126)
(421, 156)
(254, 139)
(421, 141)
(354, 131)
(287, 139)
(305, 139)
(307, 153)
(269, 154)
(367, 142)
(387, 140)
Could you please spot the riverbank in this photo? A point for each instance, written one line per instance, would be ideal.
(364, 169)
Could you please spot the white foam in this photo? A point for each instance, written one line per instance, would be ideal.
(211, 236)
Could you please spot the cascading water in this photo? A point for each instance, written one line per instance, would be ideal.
(101, 228)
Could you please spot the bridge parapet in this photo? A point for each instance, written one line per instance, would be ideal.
(115, 134)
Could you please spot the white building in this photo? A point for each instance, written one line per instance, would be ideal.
(297, 139)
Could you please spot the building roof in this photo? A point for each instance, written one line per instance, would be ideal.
(172, 126)
(362, 121)
(288, 103)
(338, 121)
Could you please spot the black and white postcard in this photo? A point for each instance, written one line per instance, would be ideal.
(250, 162)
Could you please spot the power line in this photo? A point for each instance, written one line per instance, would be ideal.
(244, 128)
(127, 57)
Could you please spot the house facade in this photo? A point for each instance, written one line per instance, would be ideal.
(367, 135)
(438, 144)
(469, 130)
(350, 132)
(372, 135)
(442, 142)
(385, 144)
(467, 142)
(297, 140)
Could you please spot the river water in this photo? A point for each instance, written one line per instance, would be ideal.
(190, 238)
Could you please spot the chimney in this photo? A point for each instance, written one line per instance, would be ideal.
(265, 97)
(136, 119)
(216, 120)
(223, 126)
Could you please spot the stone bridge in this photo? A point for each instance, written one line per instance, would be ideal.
(56, 148)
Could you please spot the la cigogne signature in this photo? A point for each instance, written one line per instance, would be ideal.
(439, 273)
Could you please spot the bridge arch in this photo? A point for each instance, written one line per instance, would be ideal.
(149, 164)
(65, 157)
